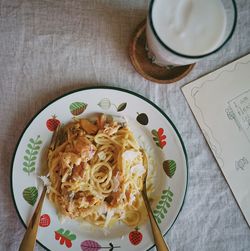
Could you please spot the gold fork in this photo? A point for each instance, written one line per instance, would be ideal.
(29, 238)
(160, 243)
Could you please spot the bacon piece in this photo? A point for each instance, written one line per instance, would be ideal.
(88, 126)
(77, 171)
(101, 121)
(83, 146)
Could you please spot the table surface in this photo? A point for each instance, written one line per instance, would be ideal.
(50, 47)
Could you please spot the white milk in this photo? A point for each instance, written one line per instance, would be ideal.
(189, 27)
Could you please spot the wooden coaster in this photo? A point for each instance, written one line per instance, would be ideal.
(144, 66)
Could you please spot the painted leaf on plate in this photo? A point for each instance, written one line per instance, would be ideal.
(65, 237)
(29, 158)
(90, 245)
(142, 118)
(163, 205)
(121, 107)
(169, 166)
(105, 104)
(159, 137)
(30, 194)
(77, 108)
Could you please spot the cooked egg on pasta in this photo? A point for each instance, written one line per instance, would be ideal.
(96, 173)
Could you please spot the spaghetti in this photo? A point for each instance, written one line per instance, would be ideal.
(96, 173)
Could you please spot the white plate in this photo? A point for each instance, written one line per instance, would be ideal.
(154, 131)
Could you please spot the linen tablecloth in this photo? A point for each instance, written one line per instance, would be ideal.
(50, 47)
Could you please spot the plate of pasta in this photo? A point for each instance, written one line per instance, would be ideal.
(94, 171)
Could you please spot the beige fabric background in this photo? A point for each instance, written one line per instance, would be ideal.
(50, 47)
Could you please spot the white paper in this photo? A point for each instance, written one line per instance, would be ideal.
(220, 102)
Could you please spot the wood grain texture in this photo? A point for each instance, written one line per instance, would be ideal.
(144, 66)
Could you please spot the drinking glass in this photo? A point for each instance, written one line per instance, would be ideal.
(163, 53)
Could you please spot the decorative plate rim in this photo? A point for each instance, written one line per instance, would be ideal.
(91, 88)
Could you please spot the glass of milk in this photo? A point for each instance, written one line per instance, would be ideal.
(181, 32)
